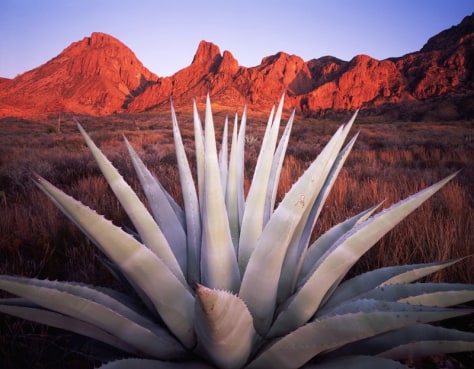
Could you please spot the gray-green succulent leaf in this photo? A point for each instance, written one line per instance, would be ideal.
(97, 309)
(173, 301)
(224, 327)
(44, 316)
(357, 362)
(191, 202)
(154, 364)
(219, 266)
(260, 286)
(413, 341)
(344, 326)
(426, 294)
(365, 282)
(150, 233)
(336, 262)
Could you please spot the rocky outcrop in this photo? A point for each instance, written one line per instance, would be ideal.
(99, 75)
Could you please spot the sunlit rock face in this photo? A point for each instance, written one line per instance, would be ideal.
(99, 75)
(96, 75)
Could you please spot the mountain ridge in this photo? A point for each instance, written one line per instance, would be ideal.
(99, 75)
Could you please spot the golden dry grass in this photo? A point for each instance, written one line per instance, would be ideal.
(389, 162)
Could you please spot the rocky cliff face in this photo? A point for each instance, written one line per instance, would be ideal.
(99, 75)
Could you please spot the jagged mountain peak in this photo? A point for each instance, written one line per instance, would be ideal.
(99, 75)
(96, 75)
(452, 36)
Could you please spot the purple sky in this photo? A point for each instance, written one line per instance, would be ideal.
(165, 34)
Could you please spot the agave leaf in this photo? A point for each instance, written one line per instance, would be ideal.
(149, 184)
(153, 364)
(357, 362)
(260, 281)
(199, 145)
(429, 348)
(435, 294)
(270, 121)
(337, 261)
(252, 221)
(98, 310)
(240, 164)
(107, 297)
(335, 168)
(352, 323)
(176, 207)
(223, 156)
(427, 294)
(298, 246)
(191, 205)
(323, 194)
(363, 283)
(149, 232)
(129, 283)
(317, 249)
(224, 327)
(173, 300)
(275, 172)
(417, 340)
(163, 213)
(57, 320)
(232, 189)
(219, 267)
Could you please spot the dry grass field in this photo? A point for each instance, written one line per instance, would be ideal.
(389, 162)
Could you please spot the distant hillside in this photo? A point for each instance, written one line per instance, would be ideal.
(99, 75)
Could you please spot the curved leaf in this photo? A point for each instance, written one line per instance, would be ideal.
(275, 172)
(153, 364)
(404, 342)
(355, 322)
(163, 213)
(113, 318)
(199, 145)
(232, 189)
(319, 247)
(298, 246)
(224, 327)
(252, 221)
(191, 205)
(219, 267)
(426, 294)
(173, 300)
(57, 320)
(357, 362)
(260, 281)
(363, 283)
(224, 156)
(149, 232)
(337, 261)
(240, 165)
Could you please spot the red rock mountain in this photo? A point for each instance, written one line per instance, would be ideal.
(99, 76)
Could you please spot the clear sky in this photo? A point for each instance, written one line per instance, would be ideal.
(164, 35)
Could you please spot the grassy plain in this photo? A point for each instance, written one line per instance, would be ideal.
(389, 162)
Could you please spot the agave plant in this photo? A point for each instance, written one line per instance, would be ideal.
(235, 282)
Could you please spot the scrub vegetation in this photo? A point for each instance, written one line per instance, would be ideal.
(388, 162)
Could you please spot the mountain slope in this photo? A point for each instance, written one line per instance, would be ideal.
(99, 75)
